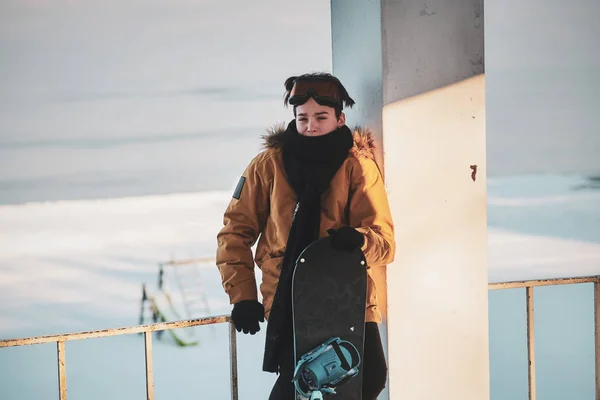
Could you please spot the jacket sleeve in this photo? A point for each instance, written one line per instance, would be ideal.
(370, 213)
(243, 222)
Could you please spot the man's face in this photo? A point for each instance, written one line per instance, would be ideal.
(313, 119)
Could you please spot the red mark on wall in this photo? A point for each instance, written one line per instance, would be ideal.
(474, 172)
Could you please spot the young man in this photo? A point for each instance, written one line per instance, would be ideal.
(315, 178)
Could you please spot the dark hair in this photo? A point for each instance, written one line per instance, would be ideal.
(343, 93)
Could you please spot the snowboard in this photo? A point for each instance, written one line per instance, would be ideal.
(328, 301)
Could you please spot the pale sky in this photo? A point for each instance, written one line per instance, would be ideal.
(125, 66)
(132, 97)
(542, 34)
(102, 89)
(543, 86)
(139, 67)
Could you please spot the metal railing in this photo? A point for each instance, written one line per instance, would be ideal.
(147, 330)
(529, 286)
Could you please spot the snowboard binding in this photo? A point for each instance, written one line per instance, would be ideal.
(325, 367)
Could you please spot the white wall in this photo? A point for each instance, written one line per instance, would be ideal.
(437, 285)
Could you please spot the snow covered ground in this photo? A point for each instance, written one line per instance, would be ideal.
(79, 265)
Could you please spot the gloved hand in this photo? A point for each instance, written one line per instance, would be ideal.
(246, 314)
(346, 238)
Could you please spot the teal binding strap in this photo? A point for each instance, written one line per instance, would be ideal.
(325, 367)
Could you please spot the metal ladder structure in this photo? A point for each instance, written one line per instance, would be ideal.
(189, 281)
(180, 283)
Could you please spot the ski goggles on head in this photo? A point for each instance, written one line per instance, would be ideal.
(325, 93)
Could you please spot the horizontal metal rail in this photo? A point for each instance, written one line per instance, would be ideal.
(543, 282)
(147, 330)
(161, 326)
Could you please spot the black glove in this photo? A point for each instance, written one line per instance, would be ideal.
(346, 238)
(246, 314)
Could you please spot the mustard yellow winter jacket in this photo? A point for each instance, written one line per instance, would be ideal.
(262, 210)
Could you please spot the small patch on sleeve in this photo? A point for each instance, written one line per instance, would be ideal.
(237, 193)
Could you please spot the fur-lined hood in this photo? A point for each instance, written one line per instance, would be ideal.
(364, 142)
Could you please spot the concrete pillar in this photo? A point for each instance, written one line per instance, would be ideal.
(433, 129)
(356, 60)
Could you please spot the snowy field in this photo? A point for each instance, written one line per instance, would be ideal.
(79, 265)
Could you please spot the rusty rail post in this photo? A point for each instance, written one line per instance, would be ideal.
(149, 368)
(62, 370)
(597, 334)
(233, 360)
(530, 343)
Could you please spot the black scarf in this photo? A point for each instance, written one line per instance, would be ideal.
(310, 162)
